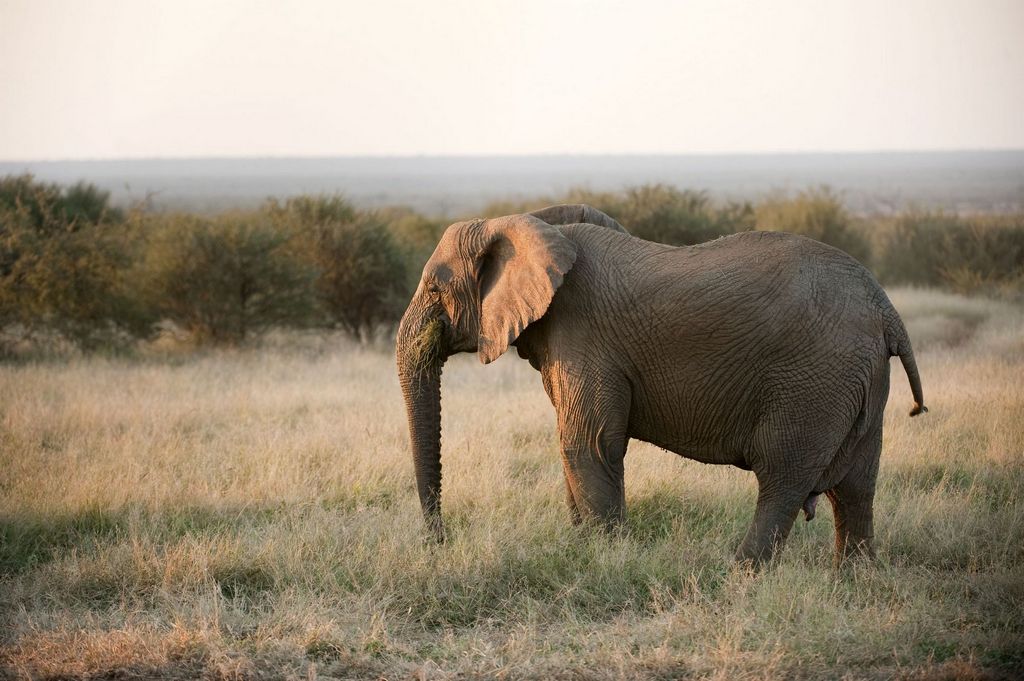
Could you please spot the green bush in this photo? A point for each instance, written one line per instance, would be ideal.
(361, 279)
(64, 256)
(965, 254)
(226, 278)
(49, 208)
(416, 237)
(818, 214)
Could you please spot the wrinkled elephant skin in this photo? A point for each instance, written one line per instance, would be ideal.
(762, 350)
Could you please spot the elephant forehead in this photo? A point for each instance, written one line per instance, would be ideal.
(452, 253)
(443, 262)
(437, 271)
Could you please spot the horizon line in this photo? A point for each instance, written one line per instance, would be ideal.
(695, 154)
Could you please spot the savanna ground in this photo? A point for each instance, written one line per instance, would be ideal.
(252, 514)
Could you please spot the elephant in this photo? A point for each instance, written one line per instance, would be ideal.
(766, 351)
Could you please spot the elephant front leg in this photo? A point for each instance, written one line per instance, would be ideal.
(595, 481)
(593, 417)
(593, 456)
(570, 499)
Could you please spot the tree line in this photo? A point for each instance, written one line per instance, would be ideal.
(76, 270)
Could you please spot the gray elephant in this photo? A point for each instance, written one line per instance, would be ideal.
(762, 350)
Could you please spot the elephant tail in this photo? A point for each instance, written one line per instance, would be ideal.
(899, 345)
(910, 366)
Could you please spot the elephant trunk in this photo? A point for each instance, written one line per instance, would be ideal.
(420, 353)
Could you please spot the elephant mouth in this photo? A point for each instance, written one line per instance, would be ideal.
(426, 349)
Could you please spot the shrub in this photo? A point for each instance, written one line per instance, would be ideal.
(226, 278)
(49, 208)
(416, 236)
(361, 278)
(816, 213)
(966, 254)
(64, 255)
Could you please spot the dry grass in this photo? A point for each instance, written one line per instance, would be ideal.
(252, 514)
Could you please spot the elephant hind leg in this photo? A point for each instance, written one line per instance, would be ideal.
(853, 499)
(776, 510)
(790, 454)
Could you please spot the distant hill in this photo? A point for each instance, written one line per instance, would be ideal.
(870, 183)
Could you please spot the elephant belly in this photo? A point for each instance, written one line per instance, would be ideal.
(681, 432)
(703, 454)
(730, 418)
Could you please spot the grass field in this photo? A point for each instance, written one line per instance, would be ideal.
(252, 514)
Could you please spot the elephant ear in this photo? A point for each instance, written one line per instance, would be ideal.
(522, 265)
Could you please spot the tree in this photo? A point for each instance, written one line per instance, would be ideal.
(227, 278)
(63, 258)
(361, 275)
(416, 237)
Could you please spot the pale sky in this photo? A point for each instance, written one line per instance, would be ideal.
(136, 78)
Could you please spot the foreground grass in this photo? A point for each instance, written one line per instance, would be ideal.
(253, 515)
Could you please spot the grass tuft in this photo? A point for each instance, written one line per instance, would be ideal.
(426, 348)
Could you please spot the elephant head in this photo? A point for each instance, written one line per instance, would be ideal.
(485, 283)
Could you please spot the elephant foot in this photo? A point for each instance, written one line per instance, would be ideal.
(854, 550)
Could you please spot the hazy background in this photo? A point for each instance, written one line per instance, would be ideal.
(447, 106)
(130, 79)
(447, 187)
